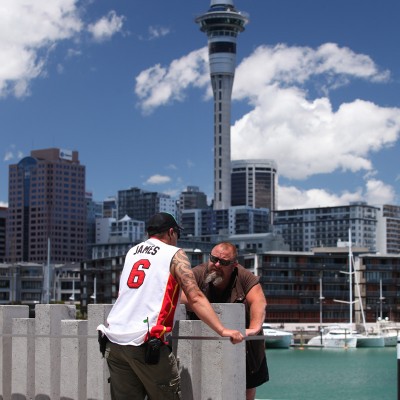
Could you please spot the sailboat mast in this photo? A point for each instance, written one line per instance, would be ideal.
(350, 281)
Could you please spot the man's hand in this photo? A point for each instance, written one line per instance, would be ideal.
(252, 332)
(236, 336)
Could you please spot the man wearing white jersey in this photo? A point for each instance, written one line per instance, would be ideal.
(139, 362)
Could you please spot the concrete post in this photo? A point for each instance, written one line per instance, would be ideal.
(48, 348)
(73, 360)
(23, 359)
(98, 387)
(7, 313)
(212, 369)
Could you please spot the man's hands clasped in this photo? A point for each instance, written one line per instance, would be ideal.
(235, 336)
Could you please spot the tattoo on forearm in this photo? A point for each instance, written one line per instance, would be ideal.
(183, 272)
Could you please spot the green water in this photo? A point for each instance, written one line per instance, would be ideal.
(331, 374)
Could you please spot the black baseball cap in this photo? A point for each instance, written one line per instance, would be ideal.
(161, 222)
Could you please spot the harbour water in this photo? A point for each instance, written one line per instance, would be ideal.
(334, 374)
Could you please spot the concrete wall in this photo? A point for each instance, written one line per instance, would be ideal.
(54, 356)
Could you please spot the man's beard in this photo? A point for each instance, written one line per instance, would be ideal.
(213, 278)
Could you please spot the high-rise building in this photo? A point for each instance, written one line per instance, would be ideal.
(47, 209)
(140, 205)
(254, 183)
(388, 237)
(307, 228)
(191, 198)
(231, 221)
(3, 218)
(222, 23)
(94, 209)
(110, 207)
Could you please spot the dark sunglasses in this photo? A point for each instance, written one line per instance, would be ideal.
(224, 263)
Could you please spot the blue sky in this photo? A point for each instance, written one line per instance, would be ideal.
(126, 84)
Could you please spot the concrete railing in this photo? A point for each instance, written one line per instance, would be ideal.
(54, 356)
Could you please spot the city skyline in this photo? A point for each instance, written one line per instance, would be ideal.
(127, 86)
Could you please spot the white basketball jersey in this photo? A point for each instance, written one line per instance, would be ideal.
(148, 295)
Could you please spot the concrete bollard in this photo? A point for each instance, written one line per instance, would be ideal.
(7, 313)
(98, 387)
(211, 368)
(48, 348)
(23, 359)
(73, 360)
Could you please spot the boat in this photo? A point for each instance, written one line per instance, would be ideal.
(276, 338)
(370, 339)
(367, 338)
(389, 331)
(338, 336)
(334, 337)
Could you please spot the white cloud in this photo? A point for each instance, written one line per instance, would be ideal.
(28, 31)
(159, 85)
(291, 197)
(329, 66)
(8, 156)
(107, 26)
(308, 137)
(157, 180)
(12, 154)
(375, 192)
(3, 204)
(156, 32)
(379, 193)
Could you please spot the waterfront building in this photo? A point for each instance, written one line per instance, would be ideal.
(254, 184)
(21, 283)
(66, 283)
(231, 221)
(258, 243)
(141, 205)
(113, 248)
(47, 210)
(304, 229)
(222, 23)
(293, 283)
(388, 229)
(3, 219)
(379, 278)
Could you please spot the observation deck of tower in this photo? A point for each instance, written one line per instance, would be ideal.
(222, 23)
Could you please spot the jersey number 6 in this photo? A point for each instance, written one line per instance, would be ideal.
(137, 275)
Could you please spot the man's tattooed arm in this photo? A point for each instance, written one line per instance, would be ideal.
(181, 269)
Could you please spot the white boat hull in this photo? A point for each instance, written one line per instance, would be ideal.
(341, 342)
(370, 341)
(333, 343)
(389, 330)
(282, 342)
(334, 338)
(390, 339)
(277, 339)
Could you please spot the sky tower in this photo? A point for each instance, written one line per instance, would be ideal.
(222, 23)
